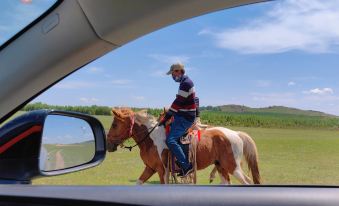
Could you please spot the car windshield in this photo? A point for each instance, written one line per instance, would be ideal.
(266, 76)
(17, 14)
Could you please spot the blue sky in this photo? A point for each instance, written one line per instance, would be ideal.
(274, 53)
(16, 14)
(73, 130)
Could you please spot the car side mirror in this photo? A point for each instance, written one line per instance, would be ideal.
(47, 142)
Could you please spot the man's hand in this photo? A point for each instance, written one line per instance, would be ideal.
(162, 123)
(165, 119)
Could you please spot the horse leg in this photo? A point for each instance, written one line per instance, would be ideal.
(224, 176)
(146, 174)
(162, 174)
(248, 179)
(235, 168)
(212, 174)
(239, 174)
(224, 179)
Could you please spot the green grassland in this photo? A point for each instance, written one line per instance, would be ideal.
(232, 108)
(300, 148)
(269, 120)
(61, 156)
(286, 156)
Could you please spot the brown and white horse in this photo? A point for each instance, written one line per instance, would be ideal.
(220, 146)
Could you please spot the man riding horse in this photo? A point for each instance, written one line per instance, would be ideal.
(184, 110)
(218, 146)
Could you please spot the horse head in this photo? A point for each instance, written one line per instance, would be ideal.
(121, 128)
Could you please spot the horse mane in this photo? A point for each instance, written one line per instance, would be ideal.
(142, 117)
(121, 112)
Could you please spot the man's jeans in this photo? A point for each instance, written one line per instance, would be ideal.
(178, 127)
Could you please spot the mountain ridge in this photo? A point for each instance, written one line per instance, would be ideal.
(234, 108)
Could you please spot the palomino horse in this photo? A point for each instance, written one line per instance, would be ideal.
(220, 146)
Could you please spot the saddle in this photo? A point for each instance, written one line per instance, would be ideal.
(193, 132)
(190, 140)
(188, 137)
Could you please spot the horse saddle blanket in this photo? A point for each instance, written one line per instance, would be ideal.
(190, 136)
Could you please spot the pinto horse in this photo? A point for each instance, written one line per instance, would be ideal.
(219, 146)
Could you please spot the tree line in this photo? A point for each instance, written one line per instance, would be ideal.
(213, 116)
(91, 110)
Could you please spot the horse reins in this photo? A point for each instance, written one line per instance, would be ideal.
(143, 139)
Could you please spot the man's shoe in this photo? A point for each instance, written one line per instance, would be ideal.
(186, 172)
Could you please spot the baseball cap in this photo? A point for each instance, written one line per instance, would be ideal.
(175, 66)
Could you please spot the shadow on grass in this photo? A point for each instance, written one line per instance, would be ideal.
(148, 182)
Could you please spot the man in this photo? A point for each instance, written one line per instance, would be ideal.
(184, 111)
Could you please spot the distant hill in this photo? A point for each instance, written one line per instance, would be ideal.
(226, 115)
(232, 108)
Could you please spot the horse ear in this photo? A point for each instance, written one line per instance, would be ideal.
(126, 112)
(164, 110)
(115, 112)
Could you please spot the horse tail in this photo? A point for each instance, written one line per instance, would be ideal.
(251, 156)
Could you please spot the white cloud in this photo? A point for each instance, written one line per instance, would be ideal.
(263, 83)
(285, 98)
(121, 81)
(317, 91)
(170, 59)
(291, 83)
(190, 69)
(306, 78)
(210, 54)
(205, 31)
(74, 85)
(159, 73)
(305, 25)
(95, 70)
(138, 98)
(165, 62)
(89, 100)
(121, 84)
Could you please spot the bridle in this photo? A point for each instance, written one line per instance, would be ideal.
(132, 119)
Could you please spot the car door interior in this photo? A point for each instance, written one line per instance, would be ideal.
(47, 142)
(76, 32)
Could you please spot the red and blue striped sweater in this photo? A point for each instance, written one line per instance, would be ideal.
(184, 104)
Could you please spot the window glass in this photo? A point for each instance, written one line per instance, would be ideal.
(267, 69)
(17, 14)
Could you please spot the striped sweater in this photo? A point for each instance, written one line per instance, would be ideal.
(184, 104)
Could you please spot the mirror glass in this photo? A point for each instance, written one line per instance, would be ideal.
(66, 142)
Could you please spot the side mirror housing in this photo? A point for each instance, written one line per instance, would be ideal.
(47, 142)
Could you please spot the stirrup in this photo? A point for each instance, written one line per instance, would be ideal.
(184, 173)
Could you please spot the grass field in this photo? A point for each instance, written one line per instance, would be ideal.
(286, 156)
(62, 156)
